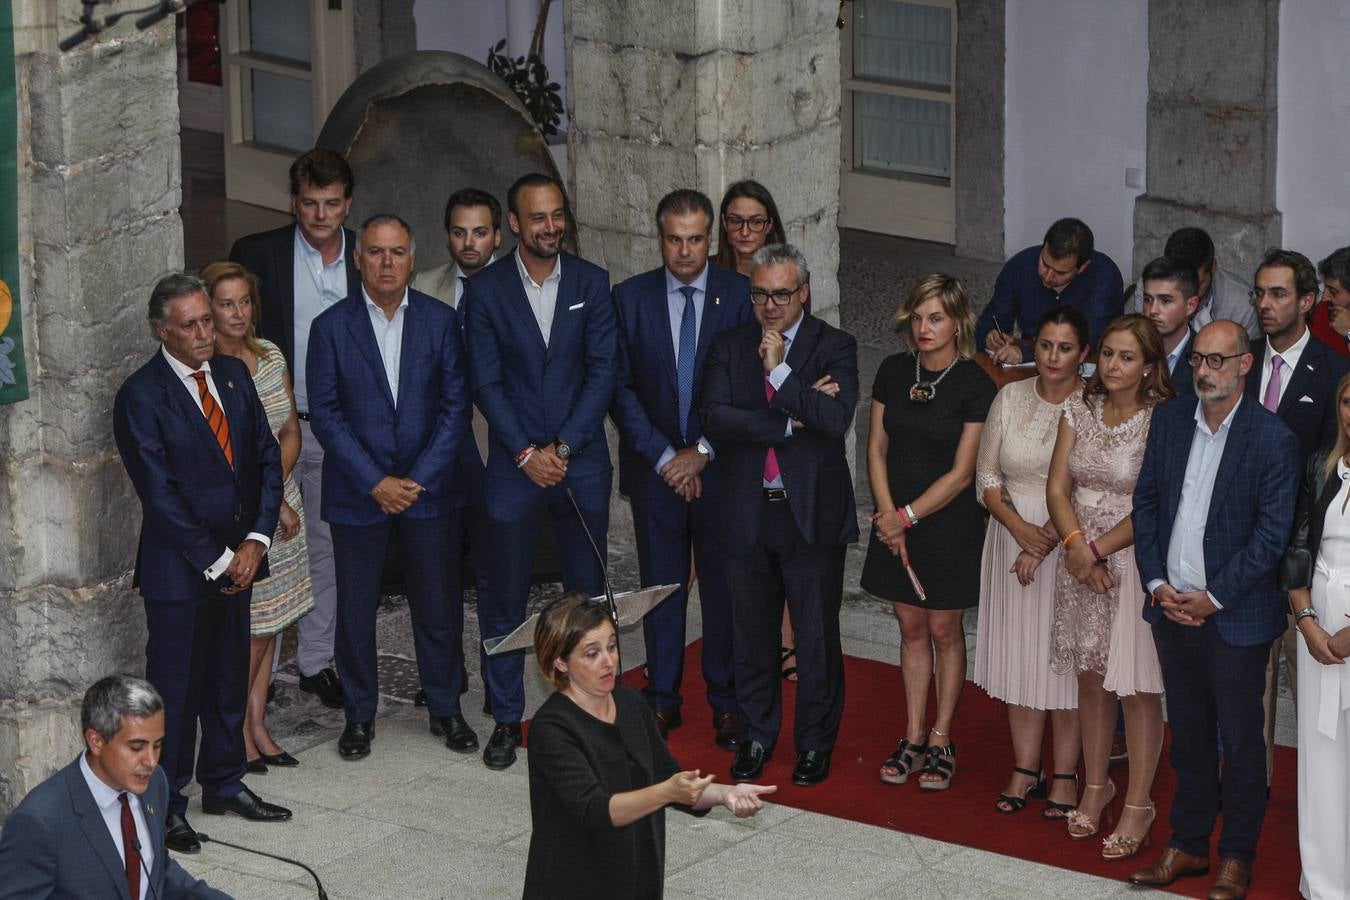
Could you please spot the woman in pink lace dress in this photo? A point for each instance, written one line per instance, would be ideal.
(1099, 632)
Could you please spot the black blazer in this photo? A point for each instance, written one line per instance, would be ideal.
(270, 255)
(1315, 494)
(1183, 376)
(1315, 377)
(742, 424)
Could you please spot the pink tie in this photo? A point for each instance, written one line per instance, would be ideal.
(770, 458)
(1272, 400)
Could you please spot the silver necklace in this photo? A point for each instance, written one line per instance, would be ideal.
(925, 391)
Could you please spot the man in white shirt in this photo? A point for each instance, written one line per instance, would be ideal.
(1171, 297)
(52, 845)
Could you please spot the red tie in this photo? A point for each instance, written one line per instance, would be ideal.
(770, 458)
(129, 843)
(215, 418)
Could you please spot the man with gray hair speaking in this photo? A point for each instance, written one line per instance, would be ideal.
(786, 498)
(109, 806)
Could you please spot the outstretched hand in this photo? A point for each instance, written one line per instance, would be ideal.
(743, 800)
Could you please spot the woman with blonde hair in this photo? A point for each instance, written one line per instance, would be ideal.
(928, 408)
(1099, 634)
(285, 595)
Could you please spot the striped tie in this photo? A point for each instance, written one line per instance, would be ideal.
(215, 418)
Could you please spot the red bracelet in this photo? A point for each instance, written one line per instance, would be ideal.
(904, 518)
(1092, 545)
(524, 454)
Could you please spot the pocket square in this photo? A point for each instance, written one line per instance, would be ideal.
(1306, 399)
(576, 306)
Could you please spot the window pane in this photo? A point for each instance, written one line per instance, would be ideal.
(901, 135)
(283, 111)
(279, 29)
(902, 43)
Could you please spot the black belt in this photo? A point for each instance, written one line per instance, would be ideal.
(303, 417)
(775, 494)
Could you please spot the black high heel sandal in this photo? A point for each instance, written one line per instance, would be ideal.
(1055, 810)
(1009, 804)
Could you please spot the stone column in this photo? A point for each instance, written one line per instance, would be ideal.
(700, 93)
(99, 190)
(1212, 128)
(981, 47)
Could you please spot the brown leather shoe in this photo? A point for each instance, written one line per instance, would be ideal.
(1173, 864)
(666, 719)
(727, 729)
(1232, 882)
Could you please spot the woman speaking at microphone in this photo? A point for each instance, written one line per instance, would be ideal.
(600, 774)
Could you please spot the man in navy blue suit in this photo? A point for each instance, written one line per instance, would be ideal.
(667, 318)
(390, 401)
(1213, 508)
(540, 331)
(195, 442)
(786, 501)
(96, 828)
(1171, 297)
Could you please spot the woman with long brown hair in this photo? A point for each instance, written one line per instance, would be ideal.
(1098, 631)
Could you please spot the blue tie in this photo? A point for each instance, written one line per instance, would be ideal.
(684, 366)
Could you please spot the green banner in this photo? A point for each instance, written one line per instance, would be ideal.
(13, 378)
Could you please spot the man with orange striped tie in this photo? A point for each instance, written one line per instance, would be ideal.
(195, 442)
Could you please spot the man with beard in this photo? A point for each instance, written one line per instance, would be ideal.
(1170, 299)
(473, 232)
(1213, 507)
(542, 348)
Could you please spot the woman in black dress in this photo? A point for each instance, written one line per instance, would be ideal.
(600, 774)
(928, 409)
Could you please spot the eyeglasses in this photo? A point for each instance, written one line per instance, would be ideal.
(755, 224)
(1256, 295)
(1213, 360)
(779, 297)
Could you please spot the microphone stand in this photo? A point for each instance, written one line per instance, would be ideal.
(201, 836)
(604, 569)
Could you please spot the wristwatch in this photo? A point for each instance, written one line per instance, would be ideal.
(563, 450)
(1302, 614)
(702, 449)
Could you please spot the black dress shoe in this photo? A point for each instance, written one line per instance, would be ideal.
(750, 759)
(459, 737)
(355, 740)
(179, 836)
(249, 805)
(500, 753)
(727, 729)
(282, 760)
(667, 718)
(256, 766)
(813, 767)
(325, 685)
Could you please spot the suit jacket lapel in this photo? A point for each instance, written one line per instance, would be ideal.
(409, 347)
(1309, 363)
(1233, 450)
(177, 397)
(96, 829)
(567, 295)
(803, 342)
(1178, 454)
(520, 304)
(713, 312)
(363, 339)
(657, 311)
(154, 824)
(753, 373)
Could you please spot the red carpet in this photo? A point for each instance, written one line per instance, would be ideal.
(873, 720)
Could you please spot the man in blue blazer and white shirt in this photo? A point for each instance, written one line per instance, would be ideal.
(540, 331)
(1213, 507)
(390, 401)
(96, 828)
(667, 319)
(1170, 299)
(195, 441)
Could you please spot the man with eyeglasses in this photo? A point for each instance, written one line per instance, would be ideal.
(786, 501)
(1064, 268)
(1298, 383)
(1213, 507)
(667, 468)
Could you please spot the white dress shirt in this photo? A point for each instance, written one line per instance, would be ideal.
(185, 374)
(779, 375)
(1186, 550)
(543, 297)
(316, 287)
(105, 798)
(388, 337)
(1290, 357)
(1178, 354)
(675, 306)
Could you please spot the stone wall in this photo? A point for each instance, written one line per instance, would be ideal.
(1212, 128)
(381, 29)
(99, 190)
(981, 45)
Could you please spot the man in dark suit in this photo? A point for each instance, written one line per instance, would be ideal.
(1170, 299)
(667, 319)
(540, 330)
(303, 269)
(96, 828)
(1297, 381)
(786, 505)
(1213, 508)
(195, 442)
(390, 400)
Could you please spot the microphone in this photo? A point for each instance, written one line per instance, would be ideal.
(149, 879)
(604, 568)
(202, 836)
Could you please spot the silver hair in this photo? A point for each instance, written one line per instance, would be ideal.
(113, 697)
(782, 254)
(171, 287)
(386, 219)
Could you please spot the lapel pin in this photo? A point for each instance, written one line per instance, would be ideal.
(717, 301)
(230, 385)
(150, 810)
